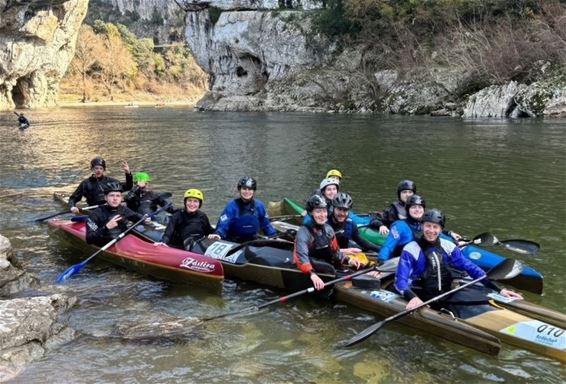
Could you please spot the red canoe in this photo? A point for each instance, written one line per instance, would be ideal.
(162, 262)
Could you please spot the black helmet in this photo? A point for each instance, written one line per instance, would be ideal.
(342, 200)
(113, 186)
(248, 182)
(316, 201)
(97, 161)
(406, 185)
(415, 200)
(434, 216)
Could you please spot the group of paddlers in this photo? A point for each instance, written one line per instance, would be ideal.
(327, 240)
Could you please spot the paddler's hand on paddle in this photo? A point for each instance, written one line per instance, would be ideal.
(317, 281)
(75, 210)
(456, 236)
(214, 236)
(511, 294)
(383, 230)
(125, 167)
(413, 303)
(147, 221)
(113, 223)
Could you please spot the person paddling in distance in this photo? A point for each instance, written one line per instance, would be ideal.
(316, 248)
(344, 227)
(244, 216)
(428, 259)
(189, 224)
(105, 223)
(93, 188)
(142, 199)
(22, 120)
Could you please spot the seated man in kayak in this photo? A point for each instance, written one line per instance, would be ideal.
(105, 223)
(142, 199)
(428, 258)
(190, 224)
(344, 227)
(396, 211)
(316, 248)
(243, 217)
(94, 187)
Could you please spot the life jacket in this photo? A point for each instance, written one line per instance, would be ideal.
(245, 226)
(400, 209)
(320, 246)
(343, 231)
(416, 230)
(436, 278)
(143, 202)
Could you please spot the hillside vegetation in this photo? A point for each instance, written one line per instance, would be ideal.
(493, 40)
(111, 64)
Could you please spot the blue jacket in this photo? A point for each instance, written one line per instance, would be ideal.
(402, 232)
(239, 221)
(412, 264)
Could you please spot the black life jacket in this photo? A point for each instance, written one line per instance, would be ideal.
(437, 277)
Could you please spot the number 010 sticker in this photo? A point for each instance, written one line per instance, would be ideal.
(539, 333)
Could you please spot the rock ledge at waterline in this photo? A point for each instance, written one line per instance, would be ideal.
(29, 326)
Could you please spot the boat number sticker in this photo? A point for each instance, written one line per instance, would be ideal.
(539, 333)
(501, 298)
(220, 250)
(383, 295)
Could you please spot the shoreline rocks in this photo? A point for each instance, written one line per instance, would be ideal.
(29, 326)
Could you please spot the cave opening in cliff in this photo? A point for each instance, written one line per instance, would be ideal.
(18, 95)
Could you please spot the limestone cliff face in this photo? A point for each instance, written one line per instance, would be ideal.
(37, 40)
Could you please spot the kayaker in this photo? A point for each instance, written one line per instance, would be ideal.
(396, 211)
(328, 189)
(142, 199)
(427, 259)
(404, 231)
(22, 120)
(108, 221)
(345, 229)
(316, 247)
(244, 216)
(335, 175)
(94, 187)
(189, 224)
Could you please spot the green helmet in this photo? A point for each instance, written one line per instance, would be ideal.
(142, 177)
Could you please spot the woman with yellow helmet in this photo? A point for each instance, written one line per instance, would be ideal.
(189, 224)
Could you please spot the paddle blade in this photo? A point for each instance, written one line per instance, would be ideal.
(485, 239)
(505, 270)
(73, 269)
(363, 335)
(525, 247)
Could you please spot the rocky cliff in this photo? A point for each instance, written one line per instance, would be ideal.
(38, 42)
(266, 56)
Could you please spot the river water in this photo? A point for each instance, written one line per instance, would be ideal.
(507, 177)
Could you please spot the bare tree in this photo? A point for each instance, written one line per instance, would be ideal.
(89, 46)
(117, 65)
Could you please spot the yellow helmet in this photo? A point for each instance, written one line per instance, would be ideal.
(334, 173)
(195, 194)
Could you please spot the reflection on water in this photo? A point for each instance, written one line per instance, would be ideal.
(507, 177)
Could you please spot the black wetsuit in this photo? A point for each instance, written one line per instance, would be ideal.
(96, 231)
(93, 189)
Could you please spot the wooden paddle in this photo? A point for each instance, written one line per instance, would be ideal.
(76, 268)
(505, 270)
(388, 266)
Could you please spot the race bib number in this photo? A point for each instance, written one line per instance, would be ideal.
(220, 250)
(539, 333)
